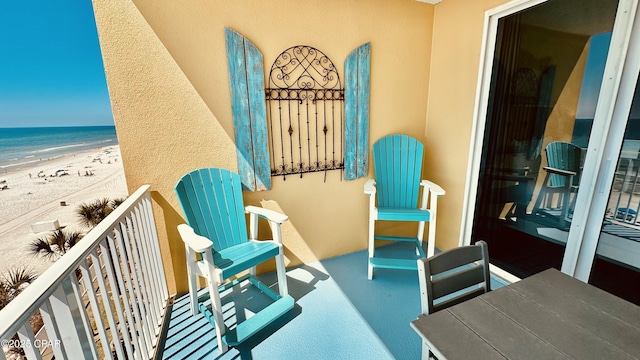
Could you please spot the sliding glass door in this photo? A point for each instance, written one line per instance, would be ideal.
(616, 264)
(537, 131)
(609, 255)
(546, 111)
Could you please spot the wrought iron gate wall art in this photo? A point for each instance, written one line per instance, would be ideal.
(305, 110)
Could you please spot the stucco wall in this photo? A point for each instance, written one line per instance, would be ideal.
(167, 75)
(457, 39)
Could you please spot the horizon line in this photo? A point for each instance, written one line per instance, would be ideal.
(54, 126)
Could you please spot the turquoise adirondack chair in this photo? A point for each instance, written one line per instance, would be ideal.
(211, 200)
(564, 162)
(394, 195)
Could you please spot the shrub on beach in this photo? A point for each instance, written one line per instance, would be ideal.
(12, 282)
(55, 244)
(91, 214)
(59, 242)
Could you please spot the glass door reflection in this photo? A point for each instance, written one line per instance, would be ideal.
(543, 92)
(616, 267)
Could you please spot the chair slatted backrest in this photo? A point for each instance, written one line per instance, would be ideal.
(563, 156)
(211, 200)
(463, 271)
(397, 161)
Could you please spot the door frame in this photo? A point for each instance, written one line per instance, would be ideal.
(611, 145)
(581, 238)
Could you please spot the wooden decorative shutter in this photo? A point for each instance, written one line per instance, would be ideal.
(357, 70)
(249, 111)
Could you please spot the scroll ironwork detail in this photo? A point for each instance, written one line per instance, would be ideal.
(305, 106)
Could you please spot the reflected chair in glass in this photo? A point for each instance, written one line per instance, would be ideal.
(564, 161)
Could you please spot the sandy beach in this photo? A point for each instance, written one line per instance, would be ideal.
(36, 194)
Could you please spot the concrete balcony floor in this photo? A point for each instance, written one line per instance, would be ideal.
(339, 314)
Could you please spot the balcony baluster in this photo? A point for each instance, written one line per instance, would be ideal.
(105, 298)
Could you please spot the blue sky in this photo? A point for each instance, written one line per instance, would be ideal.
(51, 71)
(593, 73)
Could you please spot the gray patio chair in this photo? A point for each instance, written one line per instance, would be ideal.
(453, 276)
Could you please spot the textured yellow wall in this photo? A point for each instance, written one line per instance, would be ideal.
(167, 74)
(457, 39)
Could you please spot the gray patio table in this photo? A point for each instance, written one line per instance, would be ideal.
(546, 316)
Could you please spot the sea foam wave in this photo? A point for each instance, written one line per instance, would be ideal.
(58, 148)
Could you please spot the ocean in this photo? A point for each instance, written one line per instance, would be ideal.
(24, 147)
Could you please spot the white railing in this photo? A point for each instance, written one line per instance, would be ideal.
(121, 312)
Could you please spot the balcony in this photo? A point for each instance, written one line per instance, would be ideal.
(338, 313)
(105, 298)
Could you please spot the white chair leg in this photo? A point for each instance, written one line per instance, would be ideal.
(542, 195)
(193, 294)
(192, 278)
(431, 245)
(566, 202)
(420, 235)
(216, 309)
(282, 273)
(372, 224)
(216, 305)
(423, 206)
